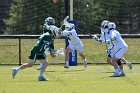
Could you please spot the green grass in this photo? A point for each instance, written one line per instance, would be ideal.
(94, 52)
(95, 79)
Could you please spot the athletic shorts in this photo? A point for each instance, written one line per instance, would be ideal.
(35, 56)
(78, 47)
(118, 53)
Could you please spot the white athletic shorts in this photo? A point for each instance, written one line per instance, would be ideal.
(78, 47)
(118, 53)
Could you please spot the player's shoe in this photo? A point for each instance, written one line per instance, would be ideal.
(122, 74)
(67, 67)
(116, 75)
(42, 78)
(129, 65)
(85, 64)
(14, 72)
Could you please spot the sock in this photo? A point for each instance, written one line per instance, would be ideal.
(67, 63)
(18, 68)
(41, 73)
(117, 71)
(41, 65)
(85, 59)
(122, 71)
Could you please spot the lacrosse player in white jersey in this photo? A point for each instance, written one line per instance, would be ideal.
(118, 50)
(104, 37)
(74, 43)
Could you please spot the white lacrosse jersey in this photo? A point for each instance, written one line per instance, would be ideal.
(105, 36)
(118, 42)
(72, 36)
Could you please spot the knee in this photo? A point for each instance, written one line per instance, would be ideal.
(119, 62)
(45, 63)
(109, 62)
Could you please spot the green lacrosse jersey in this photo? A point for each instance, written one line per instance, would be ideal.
(44, 41)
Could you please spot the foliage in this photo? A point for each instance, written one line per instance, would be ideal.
(27, 16)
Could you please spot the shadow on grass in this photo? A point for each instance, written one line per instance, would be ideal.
(74, 70)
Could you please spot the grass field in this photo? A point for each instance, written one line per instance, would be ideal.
(95, 79)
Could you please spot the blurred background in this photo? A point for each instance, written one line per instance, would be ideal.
(27, 16)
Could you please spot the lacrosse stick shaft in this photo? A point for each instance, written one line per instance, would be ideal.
(65, 19)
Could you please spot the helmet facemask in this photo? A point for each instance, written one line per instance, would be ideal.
(50, 21)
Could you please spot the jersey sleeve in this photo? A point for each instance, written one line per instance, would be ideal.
(113, 36)
(102, 37)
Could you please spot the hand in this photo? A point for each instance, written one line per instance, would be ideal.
(95, 37)
(107, 42)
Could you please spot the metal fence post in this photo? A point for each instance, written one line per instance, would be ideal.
(19, 51)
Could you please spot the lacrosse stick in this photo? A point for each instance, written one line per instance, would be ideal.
(64, 21)
(60, 51)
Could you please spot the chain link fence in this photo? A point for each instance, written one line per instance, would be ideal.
(95, 52)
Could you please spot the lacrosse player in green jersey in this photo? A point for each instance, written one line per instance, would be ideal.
(48, 26)
(45, 42)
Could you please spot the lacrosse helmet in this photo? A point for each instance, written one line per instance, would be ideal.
(104, 24)
(111, 25)
(50, 21)
(69, 26)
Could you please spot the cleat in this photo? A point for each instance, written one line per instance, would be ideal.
(122, 74)
(85, 64)
(116, 75)
(42, 78)
(129, 65)
(14, 72)
(67, 67)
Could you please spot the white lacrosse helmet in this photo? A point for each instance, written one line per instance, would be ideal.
(104, 24)
(112, 25)
(50, 21)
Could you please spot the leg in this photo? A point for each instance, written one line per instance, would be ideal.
(80, 49)
(84, 58)
(109, 60)
(121, 67)
(25, 65)
(67, 51)
(116, 67)
(42, 70)
(127, 63)
(40, 65)
(117, 56)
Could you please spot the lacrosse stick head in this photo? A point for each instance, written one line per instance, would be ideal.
(60, 51)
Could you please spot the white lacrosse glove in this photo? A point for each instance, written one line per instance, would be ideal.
(59, 51)
(95, 37)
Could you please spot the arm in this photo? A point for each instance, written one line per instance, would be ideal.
(97, 38)
(66, 33)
